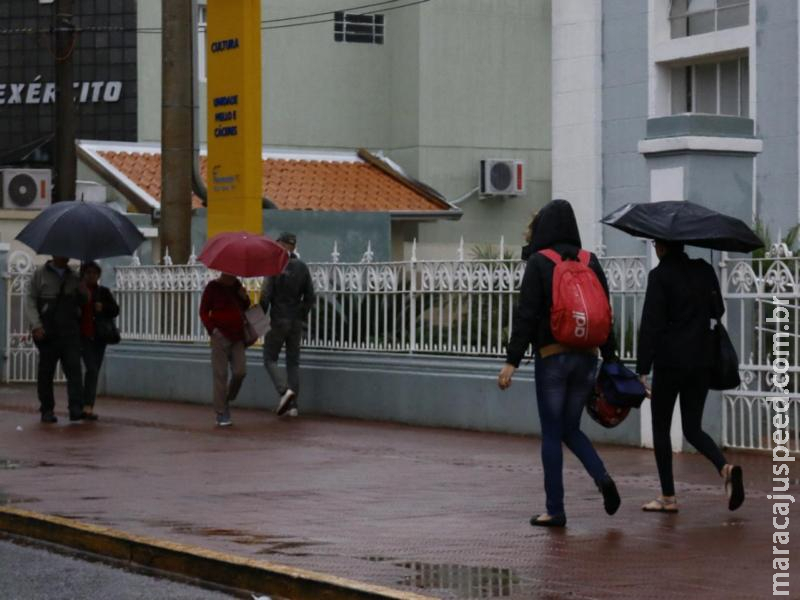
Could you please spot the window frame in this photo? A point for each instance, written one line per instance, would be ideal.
(704, 11)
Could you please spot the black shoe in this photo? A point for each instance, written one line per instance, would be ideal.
(88, 416)
(611, 499)
(734, 485)
(49, 417)
(546, 520)
(76, 417)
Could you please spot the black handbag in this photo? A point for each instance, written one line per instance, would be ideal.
(725, 368)
(106, 331)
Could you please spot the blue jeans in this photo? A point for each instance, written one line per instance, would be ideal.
(563, 383)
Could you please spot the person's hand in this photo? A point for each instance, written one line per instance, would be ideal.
(98, 307)
(647, 391)
(504, 378)
(38, 334)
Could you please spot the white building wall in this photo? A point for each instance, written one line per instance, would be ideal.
(577, 111)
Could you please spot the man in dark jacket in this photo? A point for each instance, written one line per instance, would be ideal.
(288, 297)
(675, 339)
(53, 309)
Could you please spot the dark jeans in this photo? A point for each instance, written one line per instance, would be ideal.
(563, 384)
(68, 351)
(289, 332)
(92, 353)
(692, 385)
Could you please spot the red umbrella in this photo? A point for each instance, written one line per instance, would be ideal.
(244, 254)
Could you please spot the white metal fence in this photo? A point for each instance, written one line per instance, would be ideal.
(461, 307)
(750, 288)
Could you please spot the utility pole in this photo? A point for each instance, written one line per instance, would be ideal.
(176, 129)
(66, 162)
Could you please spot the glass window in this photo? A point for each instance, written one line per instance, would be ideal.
(711, 88)
(729, 88)
(744, 87)
(705, 85)
(681, 93)
(695, 17)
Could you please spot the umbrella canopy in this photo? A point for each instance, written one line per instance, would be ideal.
(687, 223)
(244, 254)
(81, 230)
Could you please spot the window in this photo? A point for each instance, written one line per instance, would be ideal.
(721, 88)
(693, 17)
(359, 29)
(202, 26)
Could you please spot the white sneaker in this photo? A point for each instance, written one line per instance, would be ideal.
(293, 412)
(283, 403)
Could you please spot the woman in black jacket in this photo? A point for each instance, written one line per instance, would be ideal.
(675, 340)
(564, 376)
(101, 305)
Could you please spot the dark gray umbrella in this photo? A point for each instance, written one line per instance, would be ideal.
(685, 222)
(81, 230)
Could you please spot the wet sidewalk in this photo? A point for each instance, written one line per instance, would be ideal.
(435, 511)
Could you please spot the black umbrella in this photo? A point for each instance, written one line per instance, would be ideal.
(685, 222)
(81, 230)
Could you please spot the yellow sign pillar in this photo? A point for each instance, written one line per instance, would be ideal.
(234, 168)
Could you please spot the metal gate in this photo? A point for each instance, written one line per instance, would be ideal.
(22, 358)
(752, 289)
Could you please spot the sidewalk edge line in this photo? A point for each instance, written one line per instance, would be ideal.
(192, 561)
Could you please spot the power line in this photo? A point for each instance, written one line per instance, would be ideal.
(329, 12)
(98, 29)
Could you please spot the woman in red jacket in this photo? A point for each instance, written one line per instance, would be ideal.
(222, 312)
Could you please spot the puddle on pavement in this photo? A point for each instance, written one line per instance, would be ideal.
(463, 581)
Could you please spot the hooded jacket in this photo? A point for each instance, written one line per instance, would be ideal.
(556, 228)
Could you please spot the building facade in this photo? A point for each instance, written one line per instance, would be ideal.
(678, 100)
(436, 86)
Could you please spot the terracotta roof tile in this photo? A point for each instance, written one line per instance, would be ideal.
(299, 184)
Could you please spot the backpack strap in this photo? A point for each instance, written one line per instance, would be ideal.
(552, 255)
(584, 256)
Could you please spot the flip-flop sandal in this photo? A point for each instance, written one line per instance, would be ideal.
(734, 488)
(660, 505)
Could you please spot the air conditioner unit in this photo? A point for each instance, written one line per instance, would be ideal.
(25, 188)
(502, 177)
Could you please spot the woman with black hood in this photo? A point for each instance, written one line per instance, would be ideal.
(564, 375)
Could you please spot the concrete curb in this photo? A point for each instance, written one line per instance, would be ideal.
(193, 561)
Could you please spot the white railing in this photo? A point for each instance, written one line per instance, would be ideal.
(460, 307)
(750, 287)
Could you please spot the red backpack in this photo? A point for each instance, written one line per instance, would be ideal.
(580, 316)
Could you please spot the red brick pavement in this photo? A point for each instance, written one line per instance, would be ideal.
(440, 511)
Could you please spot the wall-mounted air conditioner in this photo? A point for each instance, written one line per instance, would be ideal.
(25, 188)
(502, 177)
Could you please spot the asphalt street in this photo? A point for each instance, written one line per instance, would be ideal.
(35, 573)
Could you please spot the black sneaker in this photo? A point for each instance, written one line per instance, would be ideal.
(76, 416)
(89, 416)
(611, 499)
(49, 417)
